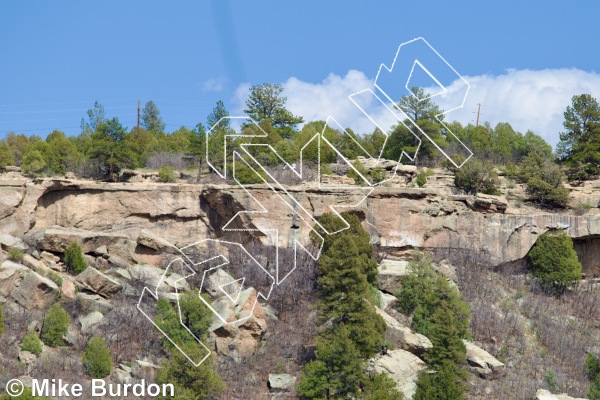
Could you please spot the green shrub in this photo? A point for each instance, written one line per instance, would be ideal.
(33, 163)
(591, 366)
(551, 381)
(31, 343)
(357, 175)
(74, 259)
(554, 261)
(477, 176)
(190, 381)
(246, 175)
(56, 278)
(594, 390)
(447, 383)
(423, 291)
(546, 194)
(166, 174)
(26, 395)
(582, 208)
(96, 358)
(56, 325)
(421, 178)
(15, 255)
(378, 175)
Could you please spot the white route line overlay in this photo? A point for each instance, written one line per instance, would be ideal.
(279, 189)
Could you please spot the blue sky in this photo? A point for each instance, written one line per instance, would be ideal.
(58, 57)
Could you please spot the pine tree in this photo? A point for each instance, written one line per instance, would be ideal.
(448, 347)
(151, 119)
(336, 371)
(444, 384)
(594, 390)
(74, 259)
(110, 146)
(56, 325)
(554, 261)
(190, 381)
(31, 343)
(96, 358)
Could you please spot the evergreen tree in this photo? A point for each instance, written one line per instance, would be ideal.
(594, 390)
(74, 260)
(96, 358)
(554, 261)
(31, 343)
(6, 155)
(591, 366)
(380, 387)
(191, 382)
(151, 119)
(33, 163)
(448, 347)
(110, 146)
(580, 143)
(56, 325)
(61, 154)
(444, 384)
(267, 102)
(337, 370)
(421, 294)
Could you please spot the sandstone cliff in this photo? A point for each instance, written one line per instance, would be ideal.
(488, 228)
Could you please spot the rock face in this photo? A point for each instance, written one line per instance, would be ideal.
(402, 336)
(35, 291)
(403, 367)
(244, 328)
(281, 382)
(390, 273)
(482, 362)
(398, 218)
(543, 394)
(97, 282)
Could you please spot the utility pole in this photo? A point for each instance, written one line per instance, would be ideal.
(138, 124)
(478, 113)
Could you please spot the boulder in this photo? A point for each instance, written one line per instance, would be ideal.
(68, 289)
(390, 273)
(215, 281)
(155, 242)
(543, 394)
(90, 320)
(36, 291)
(402, 336)
(27, 358)
(281, 382)
(387, 300)
(92, 302)
(97, 282)
(403, 367)
(57, 239)
(122, 376)
(9, 242)
(144, 370)
(245, 324)
(483, 363)
(10, 276)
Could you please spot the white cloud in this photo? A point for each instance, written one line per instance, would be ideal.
(534, 100)
(526, 99)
